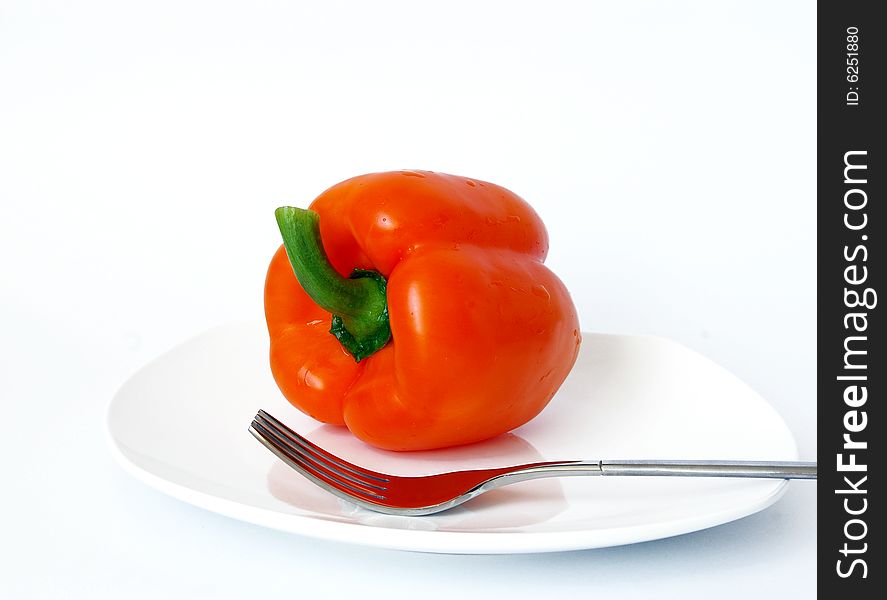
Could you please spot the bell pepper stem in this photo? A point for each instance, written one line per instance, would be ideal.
(358, 304)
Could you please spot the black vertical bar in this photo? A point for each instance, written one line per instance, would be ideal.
(851, 229)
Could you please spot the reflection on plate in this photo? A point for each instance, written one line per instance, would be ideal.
(180, 425)
(536, 502)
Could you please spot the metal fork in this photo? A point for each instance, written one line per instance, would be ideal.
(414, 496)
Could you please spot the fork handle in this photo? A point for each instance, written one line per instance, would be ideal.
(677, 468)
(710, 468)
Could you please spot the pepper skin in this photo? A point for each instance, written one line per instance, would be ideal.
(482, 334)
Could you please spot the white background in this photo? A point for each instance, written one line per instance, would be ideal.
(669, 146)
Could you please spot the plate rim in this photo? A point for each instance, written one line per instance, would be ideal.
(445, 542)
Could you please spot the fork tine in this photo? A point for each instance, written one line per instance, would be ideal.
(298, 454)
(316, 473)
(291, 443)
(316, 450)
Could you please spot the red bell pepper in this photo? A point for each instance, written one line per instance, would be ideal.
(414, 307)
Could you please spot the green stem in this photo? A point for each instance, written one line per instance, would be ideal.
(358, 304)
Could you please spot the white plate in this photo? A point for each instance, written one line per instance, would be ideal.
(180, 425)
